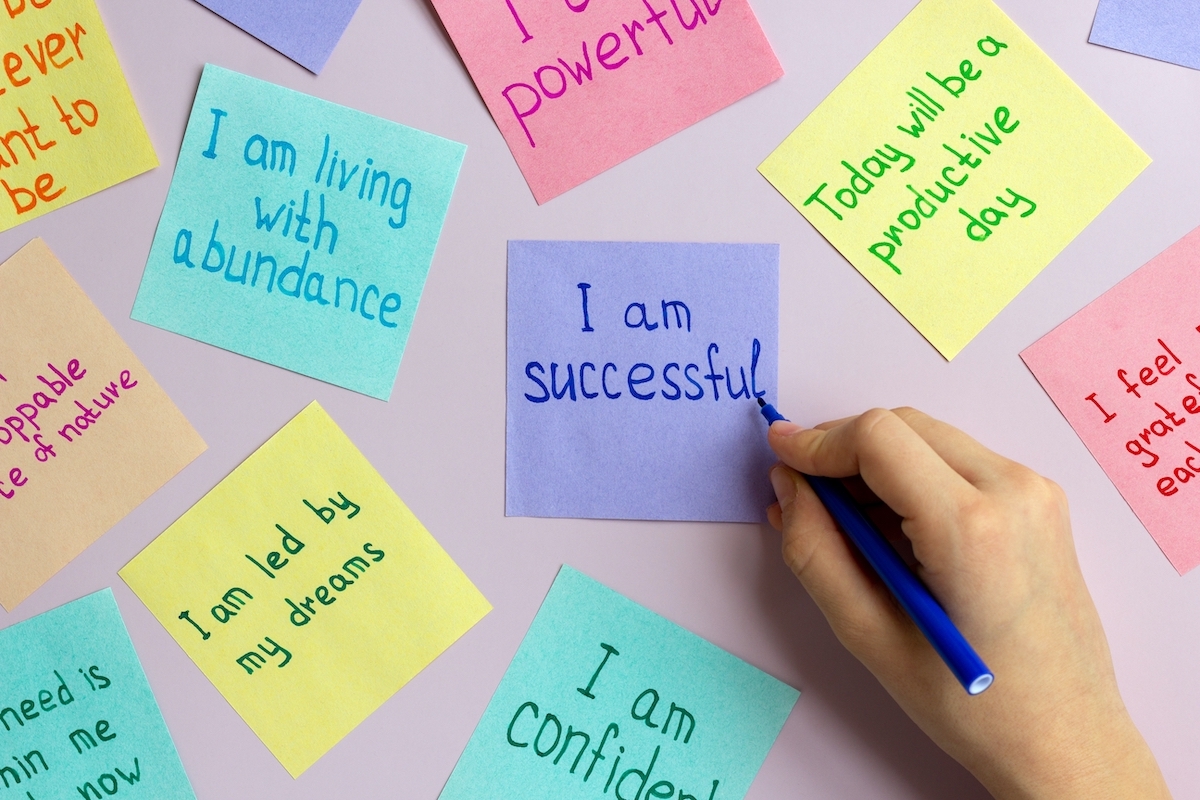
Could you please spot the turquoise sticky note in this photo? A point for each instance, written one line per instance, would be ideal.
(605, 698)
(79, 719)
(298, 232)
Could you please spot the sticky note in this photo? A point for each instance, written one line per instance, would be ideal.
(79, 718)
(1123, 371)
(305, 589)
(1167, 30)
(949, 168)
(298, 232)
(86, 435)
(633, 376)
(306, 31)
(68, 124)
(571, 85)
(604, 694)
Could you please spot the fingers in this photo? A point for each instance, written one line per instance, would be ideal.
(824, 426)
(965, 456)
(857, 606)
(897, 464)
(775, 517)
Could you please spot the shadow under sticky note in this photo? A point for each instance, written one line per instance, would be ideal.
(306, 31)
(948, 166)
(86, 434)
(1123, 371)
(578, 87)
(298, 232)
(88, 723)
(1166, 30)
(633, 373)
(71, 126)
(604, 693)
(305, 589)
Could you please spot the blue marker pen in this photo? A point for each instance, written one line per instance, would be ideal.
(907, 588)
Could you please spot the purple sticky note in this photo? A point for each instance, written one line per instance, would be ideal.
(305, 31)
(633, 376)
(1167, 30)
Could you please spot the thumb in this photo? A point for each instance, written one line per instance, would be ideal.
(855, 603)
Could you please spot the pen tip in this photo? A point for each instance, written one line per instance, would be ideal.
(761, 403)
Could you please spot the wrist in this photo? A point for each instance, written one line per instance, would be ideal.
(1095, 753)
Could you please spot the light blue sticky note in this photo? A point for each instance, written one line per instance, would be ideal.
(1167, 30)
(298, 232)
(79, 719)
(607, 699)
(633, 376)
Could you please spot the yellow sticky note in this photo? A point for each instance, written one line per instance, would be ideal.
(68, 124)
(952, 165)
(305, 589)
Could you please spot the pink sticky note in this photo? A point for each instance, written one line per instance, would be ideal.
(1125, 372)
(578, 86)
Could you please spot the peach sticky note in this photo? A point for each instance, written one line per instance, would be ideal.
(578, 86)
(1125, 372)
(305, 589)
(949, 167)
(86, 434)
(68, 125)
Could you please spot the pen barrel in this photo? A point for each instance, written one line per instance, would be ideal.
(907, 588)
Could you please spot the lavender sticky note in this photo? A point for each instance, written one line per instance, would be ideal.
(306, 31)
(1167, 30)
(633, 373)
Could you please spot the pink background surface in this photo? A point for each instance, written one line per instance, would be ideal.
(440, 441)
(1122, 330)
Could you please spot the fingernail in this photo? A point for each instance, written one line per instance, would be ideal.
(784, 486)
(785, 428)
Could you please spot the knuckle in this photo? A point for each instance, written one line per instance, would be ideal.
(1050, 501)
(1057, 494)
(1021, 479)
(857, 632)
(867, 422)
(908, 414)
(1038, 492)
(979, 518)
(796, 551)
(1028, 502)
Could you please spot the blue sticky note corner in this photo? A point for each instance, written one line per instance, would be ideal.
(78, 714)
(607, 698)
(305, 31)
(298, 232)
(1166, 30)
(634, 371)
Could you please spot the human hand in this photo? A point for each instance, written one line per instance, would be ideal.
(992, 541)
